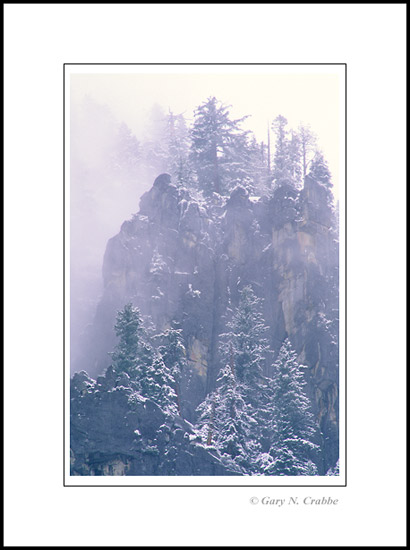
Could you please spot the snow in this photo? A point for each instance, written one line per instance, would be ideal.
(193, 293)
(254, 199)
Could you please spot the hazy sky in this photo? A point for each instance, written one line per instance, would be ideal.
(308, 94)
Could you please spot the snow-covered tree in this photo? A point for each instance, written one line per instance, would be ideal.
(293, 423)
(316, 198)
(245, 340)
(126, 157)
(256, 177)
(167, 145)
(281, 173)
(307, 141)
(245, 347)
(319, 170)
(234, 417)
(334, 471)
(173, 354)
(206, 425)
(157, 383)
(293, 151)
(286, 174)
(238, 434)
(227, 422)
(218, 147)
(178, 149)
(128, 328)
(135, 356)
(294, 159)
(155, 146)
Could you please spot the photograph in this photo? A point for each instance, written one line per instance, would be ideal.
(203, 272)
(205, 275)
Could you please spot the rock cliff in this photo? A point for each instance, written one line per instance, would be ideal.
(183, 259)
(114, 431)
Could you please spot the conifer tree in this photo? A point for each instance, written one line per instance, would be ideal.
(319, 170)
(218, 145)
(294, 159)
(257, 177)
(307, 141)
(205, 426)
(126, 156)
(173, 354)
(237, 435)
(135, 356)
(293, 424)
(226, 421)
(286, 174)
(128, 328)
(246, 348)
(316, 198)
(177, 135)
(246, 341)
(157, 383)
(280, 173)
(334, 471)
(155, 147)
(292, 151)
(236, 413)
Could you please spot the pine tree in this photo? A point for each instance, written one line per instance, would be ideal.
(178, 149)
(155, 153)
(217, 147)
(233, 417)
(246, 341)
(205, 426)
(256, 178)
(293, 424)
(292, 150)
(246, 348)
(280, 173)
(127, 154)
(307, 145)
(157, 383)
(286, 175)
(334, 471)
(294, 160)
(173, 354)
(237, 435)
(316, 198)
(128, 328)
(319, 170)
(226, 421)
(135, 356)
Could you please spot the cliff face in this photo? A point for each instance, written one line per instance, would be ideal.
(114, 431)
(184, 259)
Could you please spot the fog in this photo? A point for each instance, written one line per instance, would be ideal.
(115, 124)
(312, 98)
(104, 191)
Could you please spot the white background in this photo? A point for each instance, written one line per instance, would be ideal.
(39, 38)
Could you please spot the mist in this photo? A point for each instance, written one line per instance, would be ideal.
(118, 147)
(105, 187)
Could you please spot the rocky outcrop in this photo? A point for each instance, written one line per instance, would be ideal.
(184, 259)
(115, 431)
